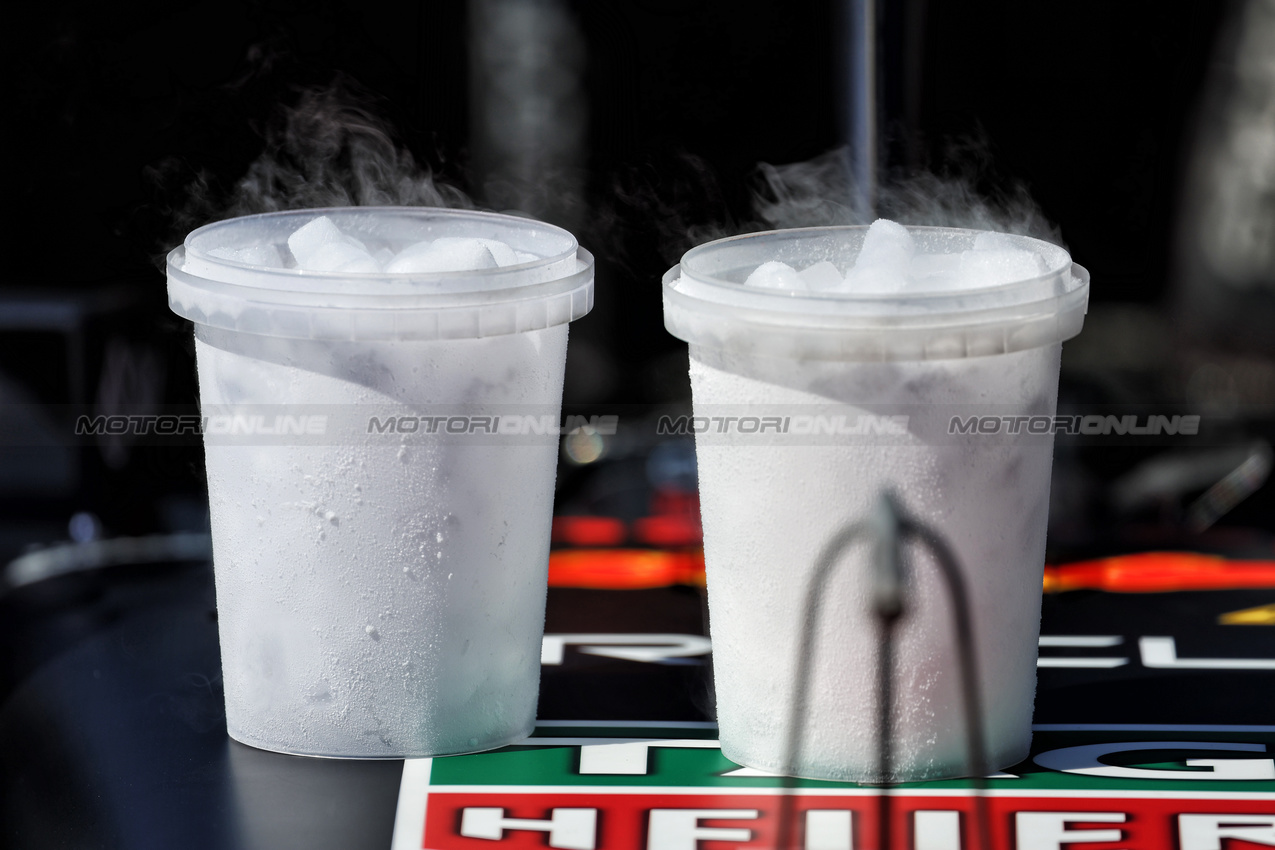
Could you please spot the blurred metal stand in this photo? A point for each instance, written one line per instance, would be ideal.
(69, 558)
(528, 111)
(1230, 474)
(888, 528)
(1225, 281)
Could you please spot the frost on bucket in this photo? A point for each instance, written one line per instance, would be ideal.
(358, 583)
(879, 321)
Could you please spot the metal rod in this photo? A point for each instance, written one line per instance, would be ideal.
(805, 657)
(887, 599)
(885, 730)
(976, 758)
(861, 121)
(888, 527)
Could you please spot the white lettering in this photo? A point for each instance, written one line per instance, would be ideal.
(632, 757)
(1094, 641)
(1205, 832)
(1085, 760)
(1081, 642)
(679, 829)
(651, 649)
(749, 773)
(1162, 652)
(1049, 830)
(937, 831)
(829, 829)
(570, 829)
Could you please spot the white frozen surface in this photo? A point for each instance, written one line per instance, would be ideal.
(261, 254)
(876, 280)
(818, 277)
(774, 275)
(885, 260)
(381, 597)
(991, 241)
(500, 252)
(768, 511)
(935, 265)
(823, 276)
(991, 267)
(320, 246)
(451, 254)
(889, 263)
(888, 246)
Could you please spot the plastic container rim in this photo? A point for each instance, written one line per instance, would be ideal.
(419, 299)
(708, 310)
(555, 288)
(293, 280)
(687, 265)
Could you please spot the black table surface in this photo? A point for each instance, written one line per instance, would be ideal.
(112, 730)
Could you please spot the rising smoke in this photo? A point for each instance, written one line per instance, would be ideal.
(662, 209)
(331, 148)
(331, 151)
(328, 149)
(960, 193)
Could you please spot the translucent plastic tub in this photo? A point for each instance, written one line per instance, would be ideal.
(379, 594)
(861, 393)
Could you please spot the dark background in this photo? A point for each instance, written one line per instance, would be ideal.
(116, 107)
(129, 122)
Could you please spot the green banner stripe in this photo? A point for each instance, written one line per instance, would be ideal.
(558, 765)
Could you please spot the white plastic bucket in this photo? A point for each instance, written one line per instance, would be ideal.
(380, 592)
(808, 406)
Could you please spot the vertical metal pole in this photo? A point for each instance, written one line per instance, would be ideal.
(861, 123)
(887, 604)
(963, 627)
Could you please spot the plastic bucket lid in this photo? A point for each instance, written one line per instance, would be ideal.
(554, 288)
(706, 303)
